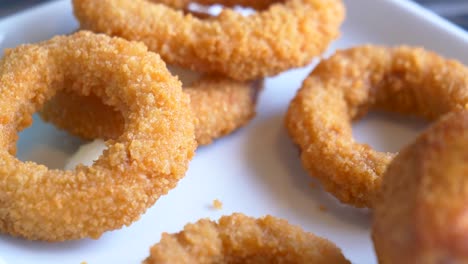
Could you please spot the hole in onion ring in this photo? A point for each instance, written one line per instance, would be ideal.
(207, 11)
(86, 154)
(221, 106)
(187, 77)
(387, 132)
(44, 144)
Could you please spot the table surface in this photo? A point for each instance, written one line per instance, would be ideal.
(454, 10)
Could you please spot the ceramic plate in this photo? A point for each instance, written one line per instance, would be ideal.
(256, 170)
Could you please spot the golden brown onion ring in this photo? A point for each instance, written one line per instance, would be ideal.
(286, 34)
(421, 211)
(343, 88)
(139, 166)
(241, 239)
(220, 107)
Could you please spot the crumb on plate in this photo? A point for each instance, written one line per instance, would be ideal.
(322, 208)
(217, 204)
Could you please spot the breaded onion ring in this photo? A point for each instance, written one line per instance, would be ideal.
(241, 239)
(343, 88)
(421, 211)
(139, 166)
(282, 36)
(220, 106)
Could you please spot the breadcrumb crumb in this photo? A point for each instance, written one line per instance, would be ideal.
(217, 204)
(322, 208)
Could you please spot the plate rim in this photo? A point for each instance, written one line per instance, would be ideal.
(414, 8)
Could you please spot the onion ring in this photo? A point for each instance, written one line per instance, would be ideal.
(220, 106)
(420, 212)
(241, 239)
(405, 80)
(283, 36)
(143, 163)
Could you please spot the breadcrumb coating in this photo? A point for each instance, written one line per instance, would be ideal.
(220, 106)
(420, 214)
(341, 89)
(139, 166)
(241, 239)
(284, 35)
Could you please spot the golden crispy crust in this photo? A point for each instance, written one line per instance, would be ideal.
(421, 211)
(241, 239)
(220, 106)
(143, 163)
(343, 88)
(268, 42)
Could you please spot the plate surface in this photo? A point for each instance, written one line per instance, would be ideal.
(256, 170)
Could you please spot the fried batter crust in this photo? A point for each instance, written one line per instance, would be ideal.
(220, 106)
(241, 239)
(345, 87)
(421, 211)
(284, 35)
(139, 166)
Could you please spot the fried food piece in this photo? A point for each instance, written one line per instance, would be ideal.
(343, 88)
(283, 35)
(420, 213)
(143, 163)
(241, 239)
(220, 107)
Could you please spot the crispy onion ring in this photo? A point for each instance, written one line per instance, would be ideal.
(139, 166)
(241, 239)
(220, 106)
(420, 212)
(343, 88)
(283, 36)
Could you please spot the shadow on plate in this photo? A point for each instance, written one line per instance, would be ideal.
(275, 159)
(386, 131)
(60, 247)
(43, 143)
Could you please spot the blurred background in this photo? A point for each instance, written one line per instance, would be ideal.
(454, 10)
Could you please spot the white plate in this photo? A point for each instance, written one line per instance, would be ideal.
(256, 170)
